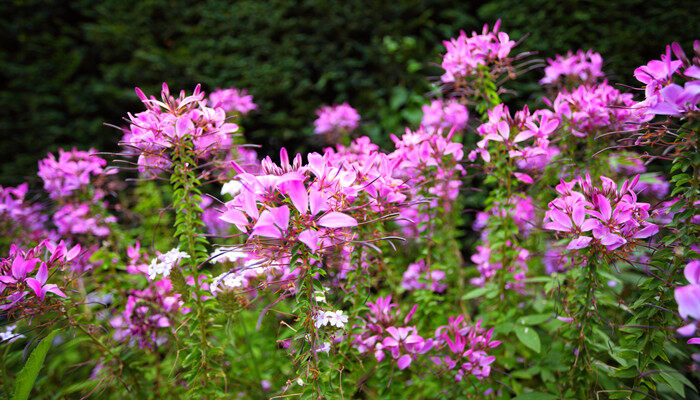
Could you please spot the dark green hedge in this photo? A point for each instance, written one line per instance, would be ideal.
(68, 66)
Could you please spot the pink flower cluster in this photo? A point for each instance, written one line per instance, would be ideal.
(374, 172)
(557, 260)
(335, 119)
(466, 53)
(514, 133)
(519, 208)
(466, 348)
(74, 181)
(444, 114)
(381, 333)
(78, 219)
(429, 163)
(653, 185)
(592, 109)
(19, 219)
(663, 97)
(295, 203)
(455, 345)
(172, 122)
(71, 171)
(145, 320)
(688, 299)
(16, 284)
(614, 217)
(232, 100)
(420, 276)
(487, 267)
(583, 67)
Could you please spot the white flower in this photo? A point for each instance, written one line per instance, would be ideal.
(162, 264)
(232, 187)
(9, 334)
(321, 319)
(223, 254)
(300, 382)
(337, 319)
(332, 318)
(173, 256)
(158, 268)
(228, 279)
(324, 348)
(234, 281)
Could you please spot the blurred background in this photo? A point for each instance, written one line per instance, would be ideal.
(67, 67)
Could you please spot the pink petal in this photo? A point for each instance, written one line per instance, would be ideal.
(589, 224)
(523, 177)
(560, 218)
(296, 190)
(35, 285)
(688, 299)
(691, 272)
(390, 342)
(688, 330)
(73, 252)
(235, 217)
(579, 243)
(337, 220)
(281, 217)
(317, 202)
(524, 135)
(578, 215)
(310, 238)
(604, 206)
(555, 226)
(404, 362)
(43, 274)
(54, 289)
(649, 230)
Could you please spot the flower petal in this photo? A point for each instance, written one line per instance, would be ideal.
(337, 220)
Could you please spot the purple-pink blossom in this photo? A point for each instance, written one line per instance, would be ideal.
(336, 119)
(232, 100)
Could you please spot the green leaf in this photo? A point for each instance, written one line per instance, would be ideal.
(536, 396)
(478, 292)
(674, 383)
(26, 377)
(535, 319)
(529, 337)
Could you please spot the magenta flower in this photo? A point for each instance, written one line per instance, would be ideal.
(336, 118)
(688, 299)
(232, 100)
(273, 223)
(580, 67)
(616, 218)
(440, 114)
(20, 268)
(71, 171)
(676, 100)
(465, 53)
(39, 285)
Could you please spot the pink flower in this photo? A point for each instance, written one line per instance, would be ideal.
(232, 100)
(580, 67)
(616, 216)
(465, 53)
(39, 285)
(440, 114)
(339, 117)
